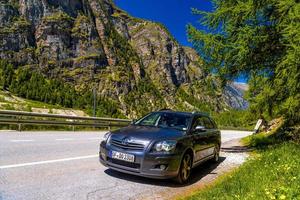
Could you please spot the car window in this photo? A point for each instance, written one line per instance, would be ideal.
(214, 123)
(203, 121)
(150, 120)
(198, 122)
(207, 123)
(165, 120)
(173, 120)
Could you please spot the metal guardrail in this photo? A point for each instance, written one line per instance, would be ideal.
(28, 118)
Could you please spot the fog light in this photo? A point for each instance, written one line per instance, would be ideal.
(163, 167)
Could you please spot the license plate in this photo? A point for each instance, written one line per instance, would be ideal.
(122, 156)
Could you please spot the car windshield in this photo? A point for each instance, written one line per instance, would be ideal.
(165, 120)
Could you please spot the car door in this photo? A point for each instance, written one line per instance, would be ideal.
(210, 136)
(200, 139)
(216, 134)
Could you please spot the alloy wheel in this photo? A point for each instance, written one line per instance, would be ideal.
(186, 167)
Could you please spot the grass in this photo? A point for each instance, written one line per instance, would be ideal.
(259, 140)
(273, 173)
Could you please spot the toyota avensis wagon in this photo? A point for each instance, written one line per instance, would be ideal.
(163, 144)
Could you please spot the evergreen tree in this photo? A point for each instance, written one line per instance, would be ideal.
(260, 40)
(27, 83)
(6, 74)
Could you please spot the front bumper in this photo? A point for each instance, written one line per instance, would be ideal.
(146, 164)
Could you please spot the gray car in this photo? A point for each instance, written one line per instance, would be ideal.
(163, 144)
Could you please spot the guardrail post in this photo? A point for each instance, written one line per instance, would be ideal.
(109, 126)
(73, 125)
(19, 124)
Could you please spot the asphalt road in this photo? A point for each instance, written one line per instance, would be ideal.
(60, 165)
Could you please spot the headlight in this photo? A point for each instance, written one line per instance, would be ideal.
(106, 136)
(165, 146)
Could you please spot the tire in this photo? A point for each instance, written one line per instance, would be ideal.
(185, 169)
(216, 157)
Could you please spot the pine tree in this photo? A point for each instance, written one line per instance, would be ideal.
(260, 40)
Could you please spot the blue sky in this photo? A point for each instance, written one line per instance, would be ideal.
(174, 14)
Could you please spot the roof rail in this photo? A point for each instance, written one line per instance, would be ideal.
(165, 109)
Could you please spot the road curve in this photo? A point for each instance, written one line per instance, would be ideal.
(64, 165)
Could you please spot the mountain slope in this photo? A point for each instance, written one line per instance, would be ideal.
(11, 102)
(134, 63)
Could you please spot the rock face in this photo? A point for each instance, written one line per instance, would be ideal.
(233, 95)
(93, 43)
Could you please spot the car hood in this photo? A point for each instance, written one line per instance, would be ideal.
(147, 133)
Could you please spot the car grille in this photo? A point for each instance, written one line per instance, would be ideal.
(127, 146)
(124, 163)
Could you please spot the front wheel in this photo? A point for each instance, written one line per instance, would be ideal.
(185, 169)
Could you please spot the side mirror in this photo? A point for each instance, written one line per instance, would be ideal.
(200, 128)
(133, 121)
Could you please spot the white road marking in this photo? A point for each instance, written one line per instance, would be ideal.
(64, 139)
(47, 162)
(21, 140)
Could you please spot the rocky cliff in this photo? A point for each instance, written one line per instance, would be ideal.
(92, 43)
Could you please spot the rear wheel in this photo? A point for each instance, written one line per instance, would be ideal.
(185, 169)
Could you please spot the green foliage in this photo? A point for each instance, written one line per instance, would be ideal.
(79, 30)
(260, 140)
(2, 99)
(123, 51)
(18, 25)
(6, 74)
(144, 98)
(14, 3)
(58, 17)
(33, 85)
(166, 31)
(273, 174)
(119, 13)
(8, 106)
(88, 57)
(29, 84)
(293, 133)
(199, 106)
(233, 119)
(108, 108)
(21, 23)
(262, 40)
(28, 108)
